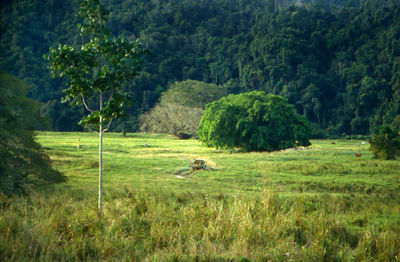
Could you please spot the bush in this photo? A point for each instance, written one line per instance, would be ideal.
(174, 119)
(253, 121)
(385, 144)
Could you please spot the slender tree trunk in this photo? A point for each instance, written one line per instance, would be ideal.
(100, 203)
(100, 168)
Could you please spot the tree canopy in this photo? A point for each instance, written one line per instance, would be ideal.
(100, 67)
(23, 160)
(181, 107)
(336, 61)
(253, 121)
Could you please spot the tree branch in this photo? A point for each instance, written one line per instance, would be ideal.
(108, 126)
(86, 106)
(91, 130)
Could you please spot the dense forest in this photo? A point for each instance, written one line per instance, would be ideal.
(337, 62)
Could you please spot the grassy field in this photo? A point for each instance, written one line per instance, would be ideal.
(317, 204)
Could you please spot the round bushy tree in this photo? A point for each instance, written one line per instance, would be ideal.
(253, 121)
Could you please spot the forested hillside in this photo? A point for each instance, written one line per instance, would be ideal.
(337, 61)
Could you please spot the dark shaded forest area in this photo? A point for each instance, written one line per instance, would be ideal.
(337, 62)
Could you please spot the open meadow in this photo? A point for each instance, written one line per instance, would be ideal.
(321, 203)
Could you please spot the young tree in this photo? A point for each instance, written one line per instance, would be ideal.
(97, 71)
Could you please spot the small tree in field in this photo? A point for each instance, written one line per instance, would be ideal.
(253, 121)
(385, 144)
(97, 72)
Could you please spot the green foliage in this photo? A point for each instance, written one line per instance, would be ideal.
(192, 93)
(395, 125)
(338, 66)
(253, 121)
(385, 143)
(101, 67)
(23, 161)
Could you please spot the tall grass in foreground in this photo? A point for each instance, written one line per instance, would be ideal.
(319, 204)
(143, 225)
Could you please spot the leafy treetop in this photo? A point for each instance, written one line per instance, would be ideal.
(253, 121)
(101, 67)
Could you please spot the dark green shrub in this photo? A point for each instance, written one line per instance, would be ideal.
(385, 144)
(22, 160)
(253, 121)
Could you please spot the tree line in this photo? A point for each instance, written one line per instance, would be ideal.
(337, 62)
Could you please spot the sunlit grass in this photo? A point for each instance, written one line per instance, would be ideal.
(152, 160)
(314, 204)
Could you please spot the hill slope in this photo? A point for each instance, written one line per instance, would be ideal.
(336, 61)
